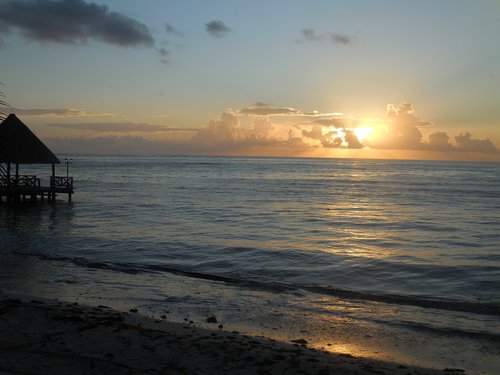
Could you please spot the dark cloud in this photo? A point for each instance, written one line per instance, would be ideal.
(266, 111)
(352, 140)
(342, 137)
(341, 39)
(118, 127)
(260, 104)
(328, 140)
(217, 28)
(308, 34)
(72, 22)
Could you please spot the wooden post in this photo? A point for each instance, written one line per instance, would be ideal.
(53, 184)
(9, 195)
(17, 182)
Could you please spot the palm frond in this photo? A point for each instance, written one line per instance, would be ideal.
(3, 103)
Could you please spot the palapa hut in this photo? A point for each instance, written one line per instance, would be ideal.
(19, 145)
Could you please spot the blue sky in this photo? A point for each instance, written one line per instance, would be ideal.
(345, 60)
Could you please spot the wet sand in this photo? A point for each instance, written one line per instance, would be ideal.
(53, 337)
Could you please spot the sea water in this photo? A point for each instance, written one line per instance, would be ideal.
(371, 257)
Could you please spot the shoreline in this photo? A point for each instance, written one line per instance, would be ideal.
(41, 336)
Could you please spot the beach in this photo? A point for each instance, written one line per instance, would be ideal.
(53, 337)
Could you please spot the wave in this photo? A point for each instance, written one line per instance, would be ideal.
(482, 308)
(419, 327)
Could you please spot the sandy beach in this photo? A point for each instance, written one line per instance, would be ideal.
(53, 337)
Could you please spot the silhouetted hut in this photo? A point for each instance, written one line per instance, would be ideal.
(19, 145)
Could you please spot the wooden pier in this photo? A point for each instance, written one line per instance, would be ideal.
(27, 188)
(19, 146)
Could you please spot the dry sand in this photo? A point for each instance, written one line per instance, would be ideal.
(52, 337)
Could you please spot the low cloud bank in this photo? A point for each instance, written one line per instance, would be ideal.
(62, 112)
(265, 130)
(118, 127)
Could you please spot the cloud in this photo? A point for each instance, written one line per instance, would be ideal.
(402, 130)
(219, 131)
(341, 136)
(262, 128)
(46, 111)
(109, 145)
(265, 130)
(265, 125)
(173, 31)
(308, 34)
(330, 139)
(342, 39)
(118, 127)
(217, 28)
(140, 145)
(337, 121)
(164, 55)
(265, 110)
(259, 136)
(439, 141)
(72, 22)
(352, 139)
(465, 143)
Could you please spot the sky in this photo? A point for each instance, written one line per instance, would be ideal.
(319, 78)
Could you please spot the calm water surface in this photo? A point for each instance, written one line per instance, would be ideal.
(303, 234)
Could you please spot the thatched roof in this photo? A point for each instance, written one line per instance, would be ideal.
(19, 145)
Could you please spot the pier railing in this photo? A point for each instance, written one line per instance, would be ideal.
(23, 181)
(61, 182)
(21, 187)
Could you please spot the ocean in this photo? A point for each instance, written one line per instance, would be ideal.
(397, 260)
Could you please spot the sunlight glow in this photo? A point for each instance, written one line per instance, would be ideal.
(362, 132)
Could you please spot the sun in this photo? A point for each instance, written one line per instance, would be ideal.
(362, 132)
